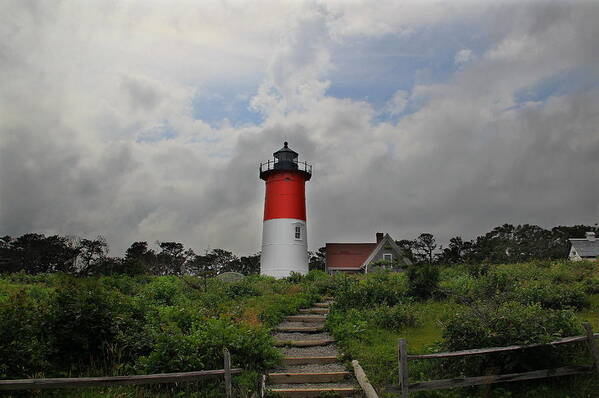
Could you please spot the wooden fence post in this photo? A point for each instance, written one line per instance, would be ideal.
(369, 391)
(228, 385)
(402, 355)
(592, 345)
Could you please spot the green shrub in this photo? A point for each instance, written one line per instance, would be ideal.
(23, 351)
(163, 290)
(460, 287)
(509, 323)
(554, 296)
(591, 285)
(346, 325)
(393, 318)
(241, 289)
(250, 347)
(80, 322)
(380, 288)
(423, 280)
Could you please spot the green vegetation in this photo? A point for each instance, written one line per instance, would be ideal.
(470, 306)
(56, 325)
(61, 326)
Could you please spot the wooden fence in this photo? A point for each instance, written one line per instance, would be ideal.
(405, 388)
(36, 384)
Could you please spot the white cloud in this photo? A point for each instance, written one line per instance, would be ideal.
(464, 56)
(397, 103)
(88, 93)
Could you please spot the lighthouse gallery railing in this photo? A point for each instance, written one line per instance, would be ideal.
(270, 165)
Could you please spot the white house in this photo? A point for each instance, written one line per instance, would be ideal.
(584, 248)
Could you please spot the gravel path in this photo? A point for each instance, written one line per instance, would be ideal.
(313, 368)
(301, 325)
(318, 351)
(302, 336)
(319, 385)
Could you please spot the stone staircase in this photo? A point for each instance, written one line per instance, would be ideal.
(310, 367)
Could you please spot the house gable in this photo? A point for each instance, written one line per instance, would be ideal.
(584, 248)
(386, 246)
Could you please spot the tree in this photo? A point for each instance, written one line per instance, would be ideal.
(408, 249)
(249, 265)
(36, 253)
(425, 247)
(457, 251)
(139, 259)
(203, 267)
(318, 259)
(91, 255)
(172, 258)
(222, 260)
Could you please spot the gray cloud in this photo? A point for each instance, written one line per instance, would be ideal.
(97, 137)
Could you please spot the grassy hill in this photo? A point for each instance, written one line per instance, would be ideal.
(471, 307)
(57, 325)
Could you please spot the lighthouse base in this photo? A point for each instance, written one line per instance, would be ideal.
(284, 247)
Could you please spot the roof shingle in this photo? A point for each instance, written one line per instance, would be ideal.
(585, 247)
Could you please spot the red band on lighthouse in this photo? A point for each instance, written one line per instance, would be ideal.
(285, 196)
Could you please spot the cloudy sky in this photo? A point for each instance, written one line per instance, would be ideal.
(147, 120)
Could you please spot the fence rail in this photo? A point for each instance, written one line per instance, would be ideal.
(404, 388)
(78, 382)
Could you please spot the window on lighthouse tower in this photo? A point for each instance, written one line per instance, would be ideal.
(298, 231)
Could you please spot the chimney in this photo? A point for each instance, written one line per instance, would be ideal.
(379, 236)
(590, 236)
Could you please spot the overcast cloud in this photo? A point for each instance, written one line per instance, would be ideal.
(147, 120)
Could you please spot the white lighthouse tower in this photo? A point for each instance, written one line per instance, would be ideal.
(284, 233)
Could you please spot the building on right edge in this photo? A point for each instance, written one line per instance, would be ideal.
(365, 257)
(586, 248)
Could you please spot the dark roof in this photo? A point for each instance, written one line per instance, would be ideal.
(585, 247)
(286, 149)
(348, 255)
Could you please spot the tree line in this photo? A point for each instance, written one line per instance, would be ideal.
(503, 244)
(37, 254)
(34, 253)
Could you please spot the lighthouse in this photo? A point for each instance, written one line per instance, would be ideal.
(284, 232)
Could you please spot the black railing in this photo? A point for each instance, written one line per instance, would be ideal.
(270, 165)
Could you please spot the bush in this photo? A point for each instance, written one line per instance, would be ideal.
(163, 290)
(80, 322)
(393, 318)
(241, 289)
(347, 324)
(591, 285)
(251, 348)
(23, 351)
(551, 296)
(509, 323)
(423, 280)
(380, 288)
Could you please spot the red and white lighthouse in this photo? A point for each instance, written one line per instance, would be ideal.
(284, 240)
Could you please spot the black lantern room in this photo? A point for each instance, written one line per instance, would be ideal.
(285, 159)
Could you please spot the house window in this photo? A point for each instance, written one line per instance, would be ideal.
(298, 232)
(388, 257)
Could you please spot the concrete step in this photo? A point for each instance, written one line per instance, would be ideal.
(300, 329)
(303, 343)
(291, 361)
(321, 305)
(301, 378)
(313, 391)
(305, 318)
(314, 310)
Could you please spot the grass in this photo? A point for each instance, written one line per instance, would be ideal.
(591, 314)
(376, 347)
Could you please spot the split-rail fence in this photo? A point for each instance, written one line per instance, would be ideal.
(404, 388)
(78, 382)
